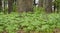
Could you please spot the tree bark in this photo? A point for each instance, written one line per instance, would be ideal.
(10, 6)
(0, 5)
(25, 5)
(58, 7)
(40, 3)
(48, 6)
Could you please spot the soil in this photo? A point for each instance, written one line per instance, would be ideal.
(57, 30)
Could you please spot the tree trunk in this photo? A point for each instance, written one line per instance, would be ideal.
(0, 5)
(58, 7)
(10, 6)
(48, 6)
(25, 5)
(44, 3)
(40, 3)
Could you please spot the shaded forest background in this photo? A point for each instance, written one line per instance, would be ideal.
(28, 5)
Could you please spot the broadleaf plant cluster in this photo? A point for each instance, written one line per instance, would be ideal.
(29, 21)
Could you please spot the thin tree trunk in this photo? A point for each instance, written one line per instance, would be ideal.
(5, 6)
(34, 3)
(58, 7)
(44, 3)
(10, 6)
(0, 5)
